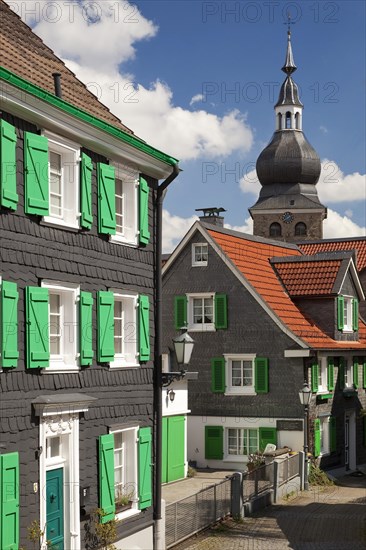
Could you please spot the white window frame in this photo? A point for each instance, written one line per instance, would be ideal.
(238, 390)
(348, 372)
(130, 185)
(70, 174)
(348, 314)
(323, 375)
(235, 457)
(68, 360)
(130, 452)
(129, 331)
(195, 262)
(324, 426)
(200, 327)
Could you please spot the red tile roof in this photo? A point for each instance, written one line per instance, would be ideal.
(252, 259)
(358, 244)
(311, 278)
(23, 53)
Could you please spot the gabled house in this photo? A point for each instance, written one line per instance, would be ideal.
(264, 317)
(77, 306)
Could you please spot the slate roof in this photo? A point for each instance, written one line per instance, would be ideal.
(23, 53)
(251, 257)
(332, 245)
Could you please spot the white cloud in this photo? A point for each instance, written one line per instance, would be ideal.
(94, 39)
(323, 129)
(249, 183)
(174, 229)
(337, 226)
(196, 99)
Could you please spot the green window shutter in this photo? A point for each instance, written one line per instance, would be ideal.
(317, 446)
(364, 373)
(220, 311)
(105, 317)
(340, 312)
(261, 378)
(180, 311)
(267, 435)
(106, 477)
(355, 314)
(332, 434)
(214, 442)
(144, 212)
(355, 372)
(86, 168)
(218, 375)
(37, 328)
(106, 199)
(86, 328)
(145, 465)
(341, 367)
(9, 501)
(36, 174)
(9, 325)
(314, 377)
(8, 167)
(330, 373)
(144, 328)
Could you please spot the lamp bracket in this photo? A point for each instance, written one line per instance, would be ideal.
(168, 378)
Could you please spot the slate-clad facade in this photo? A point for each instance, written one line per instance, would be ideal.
(285, 321)
(77, 314)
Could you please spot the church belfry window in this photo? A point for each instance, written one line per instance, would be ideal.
(297, 121)
(275, 230)
(279, 121)
(300, 229)
(288, 120)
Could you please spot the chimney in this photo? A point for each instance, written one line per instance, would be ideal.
(212, 215)
(57, 81)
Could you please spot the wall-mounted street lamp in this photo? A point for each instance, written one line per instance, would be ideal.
(171, 395)
(305, 398)
(183, 347)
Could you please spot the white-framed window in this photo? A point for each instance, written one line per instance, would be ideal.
(127, 184)
(240, 374)
(242, 441)
(125, 472)
(323, 375)
(348, 314)
(348, 373)
(199, 254)
(64, 182)
(125, 330)
(63, 326)
(324, 427)
(201, 312)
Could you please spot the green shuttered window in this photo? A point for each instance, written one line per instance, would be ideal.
(105, 316)
(214, 442)
(355, 314)
(330, 373)
(218, 375)
(106, 199)
(317, 440)
(341, 373)
(9, 325)
(36, 174)
(267, 435)
(261, 380)
(144, 328)
(355, 372)
(144, 468)
(106, 477)
(221, 311)
(144, 212)
(340, 312)
(86, 169)
(37, 327)
(180, 312)
(314, 377)
(86, 328)
(8, 184)
(9, 501)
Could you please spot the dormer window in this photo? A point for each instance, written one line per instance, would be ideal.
(347, 313)
(199, 254)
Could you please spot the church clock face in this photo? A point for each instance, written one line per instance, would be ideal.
(287, 217)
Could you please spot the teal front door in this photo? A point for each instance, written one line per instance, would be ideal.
(55, 508)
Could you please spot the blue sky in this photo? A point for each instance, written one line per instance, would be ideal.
(199, 80)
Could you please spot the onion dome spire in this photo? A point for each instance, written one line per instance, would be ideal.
(289, 66)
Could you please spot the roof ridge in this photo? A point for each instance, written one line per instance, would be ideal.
(249, 237)
(317, 257)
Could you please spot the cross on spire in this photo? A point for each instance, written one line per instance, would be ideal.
(289, 23)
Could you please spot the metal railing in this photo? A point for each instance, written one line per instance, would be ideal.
(257, 481)
(194, 513)
(288, 469)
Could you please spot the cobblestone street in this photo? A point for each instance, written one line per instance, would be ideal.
(333, 518)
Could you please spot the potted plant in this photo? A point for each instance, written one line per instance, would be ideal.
(124, 501)
(255, 460)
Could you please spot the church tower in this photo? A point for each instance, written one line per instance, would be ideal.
(288, 207)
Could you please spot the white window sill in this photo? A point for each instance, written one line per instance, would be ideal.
(236, 458)
(201, 328)
(60, 368)
(240, 391)
(55, 222)
(127, 514)
(118, 239)
(201, 264)
(120, 366)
